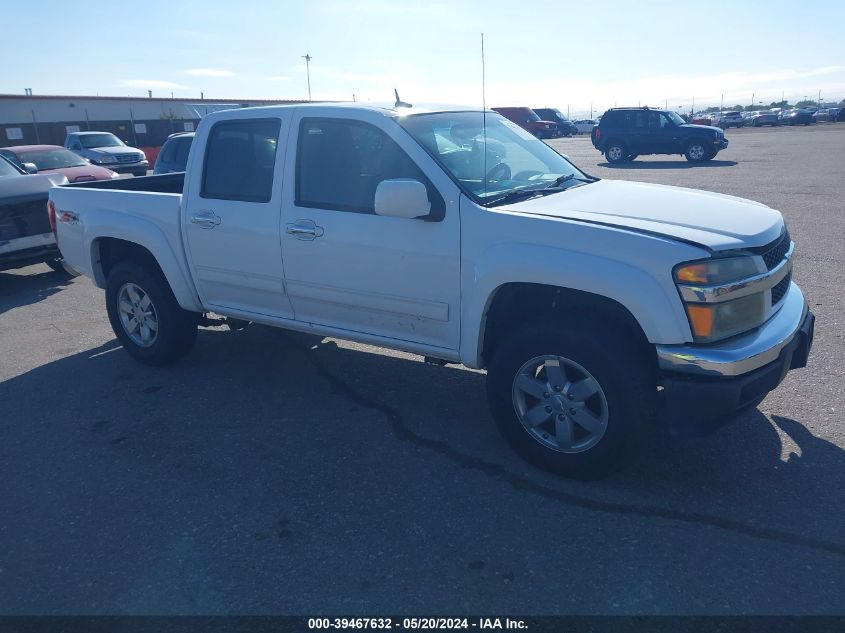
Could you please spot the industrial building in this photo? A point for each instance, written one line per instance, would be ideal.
(138, 121)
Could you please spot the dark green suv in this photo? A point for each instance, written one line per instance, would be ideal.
(625, 133)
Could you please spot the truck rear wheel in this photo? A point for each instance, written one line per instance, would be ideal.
(615, 152)
(571, 397)
(146, 317)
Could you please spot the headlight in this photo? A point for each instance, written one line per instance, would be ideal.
(102, 160)
(706, 286)
(713, 272)
(714, 321)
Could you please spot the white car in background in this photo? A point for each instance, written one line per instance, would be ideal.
(732, 118)
(585, 126)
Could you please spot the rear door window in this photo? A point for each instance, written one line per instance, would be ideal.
(240, 157)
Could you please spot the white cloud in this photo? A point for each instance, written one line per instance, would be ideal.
(150, 84)
(279, 78)
(210, 72)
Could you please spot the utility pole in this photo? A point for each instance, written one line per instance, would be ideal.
(752, 100)
(308, 59)
(722, 103)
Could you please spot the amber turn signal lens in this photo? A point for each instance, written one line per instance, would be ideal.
(701, 319)
(694, 273)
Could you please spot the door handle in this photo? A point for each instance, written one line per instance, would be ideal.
(206, 219)
(304, 230)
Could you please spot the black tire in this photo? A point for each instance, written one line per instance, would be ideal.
(138, 174)
(697, 151)
(539, 134)
(633, 157)
(615, 152)
(177, 328)
(621, 372)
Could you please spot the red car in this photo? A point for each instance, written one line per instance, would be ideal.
(49, 159)
(527, 119)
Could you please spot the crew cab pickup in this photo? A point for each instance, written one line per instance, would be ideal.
(602, 310)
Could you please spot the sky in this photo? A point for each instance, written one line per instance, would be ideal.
(571, 55)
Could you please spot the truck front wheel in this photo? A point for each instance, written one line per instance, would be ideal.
(697, 152)
(146, 317)
(571, 398)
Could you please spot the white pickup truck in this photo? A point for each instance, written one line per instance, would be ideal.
(601, 309)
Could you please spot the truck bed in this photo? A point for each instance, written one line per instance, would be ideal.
(163, 183)
(144, 210)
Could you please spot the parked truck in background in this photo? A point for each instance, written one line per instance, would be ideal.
(106, 150)
(602, 310)
(530, 121)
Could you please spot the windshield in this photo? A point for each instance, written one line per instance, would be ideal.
(52, 159)
(90, 141)
(512, 158)
(6, 168)
(676, 118)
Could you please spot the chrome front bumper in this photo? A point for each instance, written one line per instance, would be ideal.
(741, 354)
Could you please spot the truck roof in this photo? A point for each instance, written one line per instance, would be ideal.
(388, 109)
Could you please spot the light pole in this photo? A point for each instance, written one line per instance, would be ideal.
(308, 59)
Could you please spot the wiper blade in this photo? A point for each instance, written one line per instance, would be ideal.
(557, 182)
(516, 194)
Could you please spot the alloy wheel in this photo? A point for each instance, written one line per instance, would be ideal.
(560, 404)
(137, 315)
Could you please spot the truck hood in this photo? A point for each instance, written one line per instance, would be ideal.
(82, 173)
(696, 126)
(122, 149)
(713, 220)
(16, 189)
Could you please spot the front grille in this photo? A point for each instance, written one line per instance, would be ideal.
(779, 289)
(24, 219)
(774, 255)
(127, 158)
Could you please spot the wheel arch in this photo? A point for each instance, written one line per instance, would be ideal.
(515, 303)
(516, 270)
(106, 251)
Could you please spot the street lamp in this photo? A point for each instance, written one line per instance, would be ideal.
(308, 59)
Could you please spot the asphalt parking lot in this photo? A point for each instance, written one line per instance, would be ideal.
(270, 472)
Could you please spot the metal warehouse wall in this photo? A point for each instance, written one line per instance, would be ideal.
(137, 121)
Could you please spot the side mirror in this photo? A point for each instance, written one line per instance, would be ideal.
(30, 168)
(402, 198)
